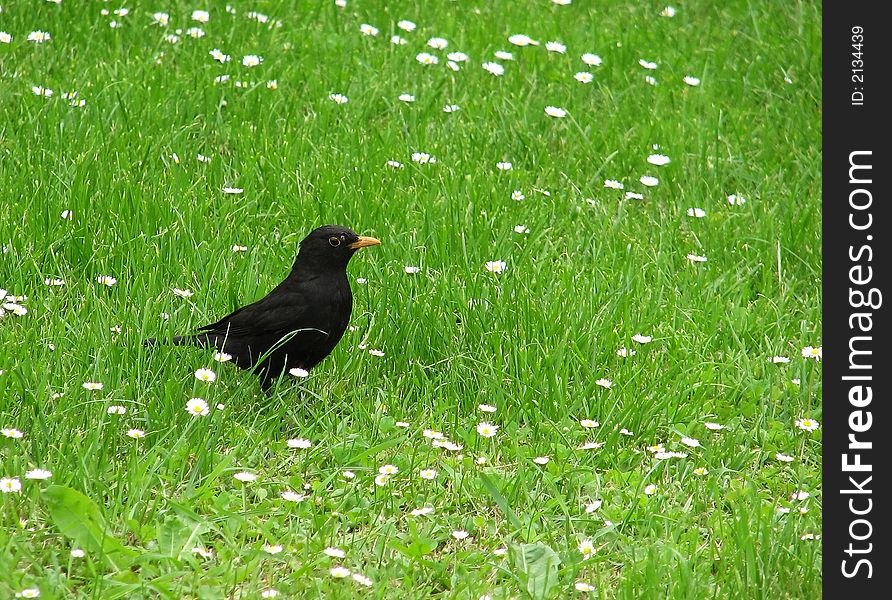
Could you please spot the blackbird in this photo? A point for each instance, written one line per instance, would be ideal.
(300, 321)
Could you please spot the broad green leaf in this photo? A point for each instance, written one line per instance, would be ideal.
(177, 536)
(80, 519)
(538, 565)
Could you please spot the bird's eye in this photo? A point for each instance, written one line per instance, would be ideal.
(334, 241)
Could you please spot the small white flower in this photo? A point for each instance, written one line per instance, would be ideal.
(556, 47)
(457, 56)
(161, 18)
(584, 77)
(650, 80)
(784, 457)
(338, 98)
(813, 353)
(613, 184)
(496, 266)
(39, 37)
(202, 16)
(713, 426)
(367, 29)
(604, 383)
(522, 229)
(205, 375)
(361, 579)
(397, 40)
(334, 552)
(272, 548)
(233, 190)
(219, 56)
(195, 32)
(77, 553)
(54, 282)
(291, 496)
(460, 534)
(634, 196)
(427, 59)
(625, 352)
(517, 195)
(593, 506)
(452, 65)
(424, 510)
(237, 248)
(697, 213)
(659, 159)
(28, 593)
(541, 460)
(388, 470)
(487, 430)
(423, 158)
(647, 64)
(438, 43)
(691, 81)
(407, 98)
(451, 108)
(106, 280)
(587, 549)
(92, 385)
(222, 357)
(251, 60)
(555, 111)
(502, 55)
(299, 443)
(487, 408)
(38, 474)
(649, 181)
(504, 166)
(800, 495)
(589, 423)
(5, 38)
(136, 433)
(411, 270)
(245, 477)
(406, 25)
(381, 480)
(690, 442)
(182, 293)
(807, 424)
(494, 68)
(735, 200)
(780, 360)
(375, 352)
(12, 433)
(592, 60)
(650, 490)
(197, 407)
(298, 372)
(339, 572)
(10, 485)
(701, 471)
(521, 40)
(116, 410)
(668, 12)
(428, 474)
(269, 593)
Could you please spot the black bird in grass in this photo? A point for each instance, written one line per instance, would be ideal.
(300, 321)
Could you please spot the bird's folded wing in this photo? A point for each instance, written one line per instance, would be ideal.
(274, 314)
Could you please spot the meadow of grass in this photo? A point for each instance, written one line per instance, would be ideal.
(715, 513)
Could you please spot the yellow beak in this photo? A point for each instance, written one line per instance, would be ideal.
(364, 241)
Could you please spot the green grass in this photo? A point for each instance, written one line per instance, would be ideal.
(594, 270)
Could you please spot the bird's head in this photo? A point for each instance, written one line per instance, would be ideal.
(331, 247)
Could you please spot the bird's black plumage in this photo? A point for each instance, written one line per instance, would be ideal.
(301, 320)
